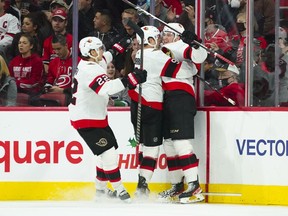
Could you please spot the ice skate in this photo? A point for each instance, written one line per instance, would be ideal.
(102, 194)
(172, 194)
(124, 196)
(142, 188)
(192, 194)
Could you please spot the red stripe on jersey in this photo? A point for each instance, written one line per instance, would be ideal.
(112, 171)
(171, 68)
(153, 104)
(98, 82)
(198, 66)
(10, 34)
(187, 53)
(170, 86)
(88, 123)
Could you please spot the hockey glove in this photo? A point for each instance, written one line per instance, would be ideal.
(190, 37)
(134, 78)
(122, 45)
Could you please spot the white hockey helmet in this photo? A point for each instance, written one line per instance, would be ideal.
(90, 43)
(174, 26)
(149, 32)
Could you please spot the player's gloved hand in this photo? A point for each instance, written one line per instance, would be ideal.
(190, 37)
(134, 78)
(122, 45)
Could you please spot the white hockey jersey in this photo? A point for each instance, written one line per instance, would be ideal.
(9, 26)
(158, 64)
(184, 53)
(91, 90)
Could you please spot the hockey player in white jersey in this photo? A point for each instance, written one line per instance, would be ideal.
(9, 26)
(157, 64)
(88, 113)
(179, 111)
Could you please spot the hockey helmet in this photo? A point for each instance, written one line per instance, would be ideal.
(149, 32)
(90, 43)
(174, 26)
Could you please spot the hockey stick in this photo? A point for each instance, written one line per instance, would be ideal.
(215, 54)
(138, 31)
(220, 194)
(216, 90)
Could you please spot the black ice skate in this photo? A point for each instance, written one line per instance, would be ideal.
(171, 195)
(142, 188)
(192, 194)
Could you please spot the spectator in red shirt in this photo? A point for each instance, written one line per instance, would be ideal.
(59, 77)
(59, 23)
(229, 88)
(27, 67)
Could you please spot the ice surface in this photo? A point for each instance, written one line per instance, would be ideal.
(89, 208)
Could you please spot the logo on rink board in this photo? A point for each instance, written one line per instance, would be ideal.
(40, 152)
(43, 152)
(262, 147)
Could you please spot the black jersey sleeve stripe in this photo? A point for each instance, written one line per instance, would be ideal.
(171, 68)
(98, 82)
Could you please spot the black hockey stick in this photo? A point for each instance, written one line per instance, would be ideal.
(215, 54)
(138, 31)
(216, 90)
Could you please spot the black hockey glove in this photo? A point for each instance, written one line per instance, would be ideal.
(122, 45)
(190, 37)
(134, 78)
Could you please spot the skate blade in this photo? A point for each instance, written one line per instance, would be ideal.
(174, 199)
(129, 200)
(193, 199)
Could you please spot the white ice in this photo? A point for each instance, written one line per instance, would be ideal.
(89, 208)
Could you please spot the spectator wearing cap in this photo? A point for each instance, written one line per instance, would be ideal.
(58, 4)
(86, 16)
(59, 23)
(54, 5)
(229, 88)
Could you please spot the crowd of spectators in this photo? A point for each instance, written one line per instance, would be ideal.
(28, 39)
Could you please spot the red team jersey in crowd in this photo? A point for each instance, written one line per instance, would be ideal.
(218, 36)
(235, 91)
(9, 26)
(60, 72)
(28, 72)
(48, 52)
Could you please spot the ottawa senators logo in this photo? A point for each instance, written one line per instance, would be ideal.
(102, 142)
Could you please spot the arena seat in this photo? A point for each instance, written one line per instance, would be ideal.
(52, 99)
(23, 99)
